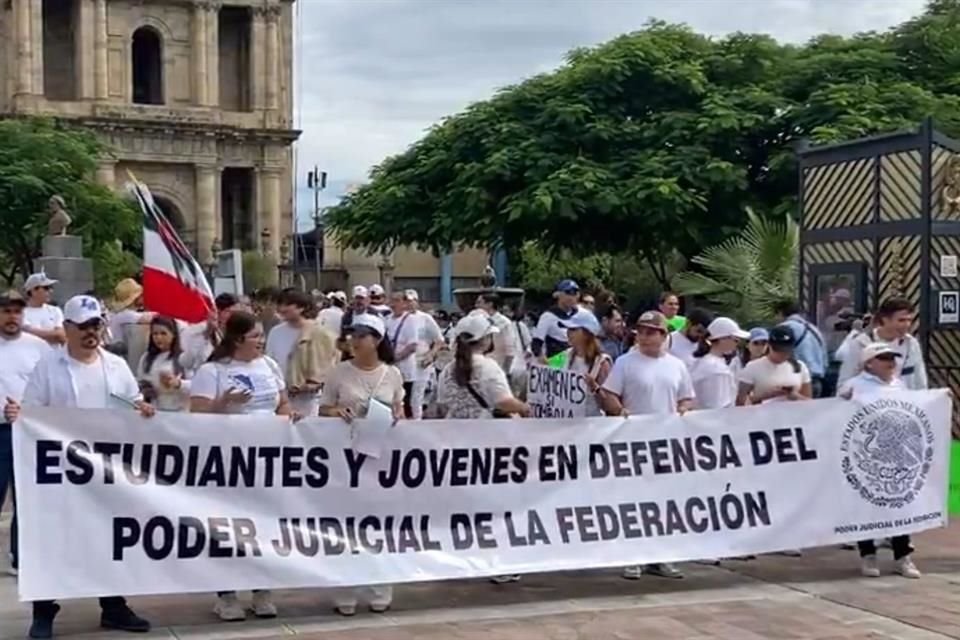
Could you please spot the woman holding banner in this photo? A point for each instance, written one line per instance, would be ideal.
(473, 385)
(713, 380)
(585, 356)
(350, 389)
(877, 377)
(160, 373)
(239, 379)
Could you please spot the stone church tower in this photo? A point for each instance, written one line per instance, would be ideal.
(195, 97)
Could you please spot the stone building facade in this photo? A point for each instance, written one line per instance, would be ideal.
(194, 97)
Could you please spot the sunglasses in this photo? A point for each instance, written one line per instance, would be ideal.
(89, 325)
(886, 357)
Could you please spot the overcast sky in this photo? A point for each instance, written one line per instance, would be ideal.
(376, 73)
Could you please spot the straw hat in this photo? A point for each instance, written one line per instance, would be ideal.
(125, 294)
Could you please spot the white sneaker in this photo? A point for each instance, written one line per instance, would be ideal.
(228, 608)
(263, 606)
(664, 570)
(505, 579)
(869, 568)
(12, 571)
(632, 573)
(905, 567)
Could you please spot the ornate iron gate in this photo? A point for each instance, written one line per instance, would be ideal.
(879, 217)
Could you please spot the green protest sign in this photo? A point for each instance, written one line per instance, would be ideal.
(953, 499)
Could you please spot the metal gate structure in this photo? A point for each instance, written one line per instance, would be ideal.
(880, 216)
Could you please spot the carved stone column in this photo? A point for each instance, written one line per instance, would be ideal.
(258, 69)
(213, 52)
(106, 173)
(24, 40)
(36, 36)
(206, 210)
(272, 57)
(199, 52)
(101, 72)
(270, 188)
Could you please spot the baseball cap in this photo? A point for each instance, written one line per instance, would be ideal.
(782, 336)
(80, 309)
(38, 280)
(568, 286)
(360, 291)
(338, 295)
(475, 326)
(369, 321)
(11, 297)
(653, 320)
(726, 328)
(759, 334)
(411, 295)
(582, 319)
(875, 349)
(377, 290)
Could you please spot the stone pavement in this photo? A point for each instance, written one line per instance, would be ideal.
(820, 596)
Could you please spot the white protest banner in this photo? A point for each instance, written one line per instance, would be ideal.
(556, 392)
(111, 503)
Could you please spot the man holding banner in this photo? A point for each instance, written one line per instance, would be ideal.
(84, 376)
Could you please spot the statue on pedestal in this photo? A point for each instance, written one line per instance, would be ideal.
(59, 218)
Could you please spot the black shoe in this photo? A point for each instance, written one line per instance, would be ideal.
(42, 626)
(123, 619)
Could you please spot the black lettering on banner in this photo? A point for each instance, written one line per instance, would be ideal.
(557, 463)
(565, 523)
(269, 455)
(219, 537)
(355, 464)
(172, 455)
(291, 466)
(245, 535)
(781, 446)
(317, 463)
(158, 538)
(48, 462)
(332, 535)
(243, 467)
(461, 531)
(106, 451)
(78, 457)
(191, 537)
(126, 533)
(141, 476)
(214, 472)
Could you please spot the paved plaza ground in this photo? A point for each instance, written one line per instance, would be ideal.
(818, 596)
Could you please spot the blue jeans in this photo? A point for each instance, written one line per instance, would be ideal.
(6, 480)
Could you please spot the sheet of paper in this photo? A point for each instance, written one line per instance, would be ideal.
(370, 433)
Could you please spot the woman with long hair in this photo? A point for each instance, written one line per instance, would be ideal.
(161, 375)
(756, 346)
(714, 382)
(350, 389)
(474, 385)
(586, 355)
(238, 379)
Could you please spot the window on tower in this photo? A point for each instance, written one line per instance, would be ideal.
(147, 54)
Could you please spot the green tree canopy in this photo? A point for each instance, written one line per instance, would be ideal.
(39, 159)
(657, 140)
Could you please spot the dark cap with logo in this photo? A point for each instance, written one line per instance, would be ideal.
(782, 336)
(12, 297)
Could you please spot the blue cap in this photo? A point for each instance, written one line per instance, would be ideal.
(582, 320)
(568, 286)
(759, 334)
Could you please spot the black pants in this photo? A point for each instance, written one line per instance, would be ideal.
(6, 482)
(45, 608)
(407, 400)
(901, 547)
(816, 387)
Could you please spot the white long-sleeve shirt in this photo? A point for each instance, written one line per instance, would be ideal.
(911, 368)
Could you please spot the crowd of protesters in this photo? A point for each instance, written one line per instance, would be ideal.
(298, 354)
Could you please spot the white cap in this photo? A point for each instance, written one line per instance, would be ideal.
(370, 321)
(477, 326)
(80, 309)
(726, 328)
(411, 295)
(338, 295)
(360, 291)
(38, 280)
(875, 349)
(376, 290)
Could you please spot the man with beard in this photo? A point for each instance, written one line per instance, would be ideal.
(20, 352)
(83, 375)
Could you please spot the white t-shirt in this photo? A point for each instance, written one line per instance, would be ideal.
(486, 378)
(45, 317)
(713, 382)
(649, 385)
(18, 357)
(281, 341)
(347, 385)
(765, 376)
(578, 365)
(428, 332)
(403, 331)
(866, 386)
(262, 377)
(682, 347)
(167, 399)
(331, 319)
(91, 383)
